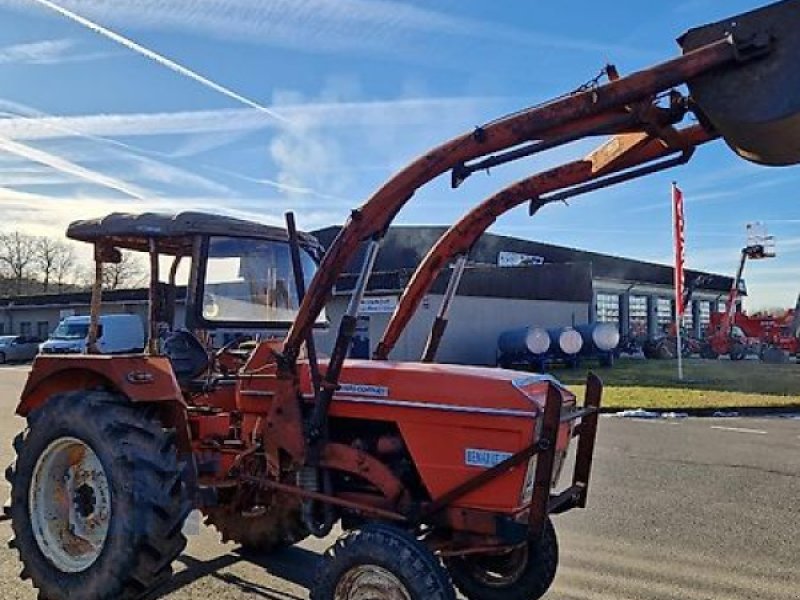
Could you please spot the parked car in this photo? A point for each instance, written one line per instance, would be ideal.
(20, 348)
(116, 334)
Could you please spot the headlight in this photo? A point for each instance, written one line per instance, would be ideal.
(530, 481)
(530, 475)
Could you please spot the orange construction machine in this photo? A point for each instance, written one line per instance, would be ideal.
(438, 474)
(725, 335)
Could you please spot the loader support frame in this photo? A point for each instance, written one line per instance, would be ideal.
(624, 157)
(544, 448)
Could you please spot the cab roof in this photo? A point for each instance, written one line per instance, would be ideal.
(174, 232)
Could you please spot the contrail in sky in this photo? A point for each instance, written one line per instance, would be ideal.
(56, 123)
(66, 166)
(160, 59)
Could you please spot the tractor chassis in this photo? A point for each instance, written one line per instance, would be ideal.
(456, 531)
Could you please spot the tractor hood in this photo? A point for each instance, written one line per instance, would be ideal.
(454, 388)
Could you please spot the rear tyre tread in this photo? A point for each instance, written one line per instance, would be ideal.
(132, 441)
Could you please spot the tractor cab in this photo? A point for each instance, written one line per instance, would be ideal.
(240, 277)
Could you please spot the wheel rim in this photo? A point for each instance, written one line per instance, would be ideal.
(370, 582)
(499, 570)
(70, 505)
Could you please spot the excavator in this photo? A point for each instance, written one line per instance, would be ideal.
(440, 476)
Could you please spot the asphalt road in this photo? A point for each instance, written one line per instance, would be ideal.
(696, 509)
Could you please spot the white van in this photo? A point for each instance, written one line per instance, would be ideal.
(116, 334)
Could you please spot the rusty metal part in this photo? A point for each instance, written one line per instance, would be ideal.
(152, 301)
(603, 124)
(278, 525)
(300, 282)
(358, 507)
(102, 253)
(613, 179)
(55, 374)
(587, 432)
(341, 457)
(440, 322)
(482, 550)
(550, 421)
(619, 153)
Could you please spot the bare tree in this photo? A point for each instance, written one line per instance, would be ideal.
(129, 272)
(54, 258)
(17, 256)
(64, 266)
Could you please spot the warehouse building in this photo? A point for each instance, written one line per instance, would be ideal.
(509, 282)
(512, 282)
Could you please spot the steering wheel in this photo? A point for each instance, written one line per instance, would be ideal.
(225, 349)
(211, 309)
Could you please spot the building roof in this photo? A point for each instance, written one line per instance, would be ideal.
(405, 246)
(564, 283)
(81, 298)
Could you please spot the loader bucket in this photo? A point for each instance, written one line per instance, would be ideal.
(755, 105)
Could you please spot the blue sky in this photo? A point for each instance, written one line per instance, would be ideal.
(88, 126)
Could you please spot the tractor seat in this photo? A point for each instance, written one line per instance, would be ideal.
(187, 355)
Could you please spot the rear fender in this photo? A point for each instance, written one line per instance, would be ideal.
(139, 378)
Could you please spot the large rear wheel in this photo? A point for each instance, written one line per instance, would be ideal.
(525, 573)
(380, 562)
(97, 498)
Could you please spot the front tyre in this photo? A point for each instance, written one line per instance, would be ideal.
(525, 573)
(97, 499)
(381, 562)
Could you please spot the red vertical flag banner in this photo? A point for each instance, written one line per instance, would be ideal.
(678, 224)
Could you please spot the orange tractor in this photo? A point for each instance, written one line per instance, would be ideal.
(437, 474)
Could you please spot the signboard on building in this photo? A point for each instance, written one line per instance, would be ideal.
(374, 305)
(517, 259)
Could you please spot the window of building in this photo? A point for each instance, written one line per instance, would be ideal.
(663, 313)
(607, 308)
(637, 311)
(25, 328)
(688, 317)
(42, 330)
(2, 328)
(705, 312)
(705, 315)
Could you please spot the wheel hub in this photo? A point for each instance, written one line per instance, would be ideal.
(84, 500)
(70, 505)
(370, 582)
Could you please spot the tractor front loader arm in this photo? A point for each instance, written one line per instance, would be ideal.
(558, 117)
(620, 153)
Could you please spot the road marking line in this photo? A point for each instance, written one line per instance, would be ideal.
(739, 429)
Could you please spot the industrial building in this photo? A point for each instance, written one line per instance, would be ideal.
(510, 282)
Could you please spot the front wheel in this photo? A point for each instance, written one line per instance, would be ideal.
(97, 498)
(738, 351)
(525, 573)
(381, 562)
(707, 352)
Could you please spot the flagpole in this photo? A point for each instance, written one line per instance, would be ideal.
(676, 230)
